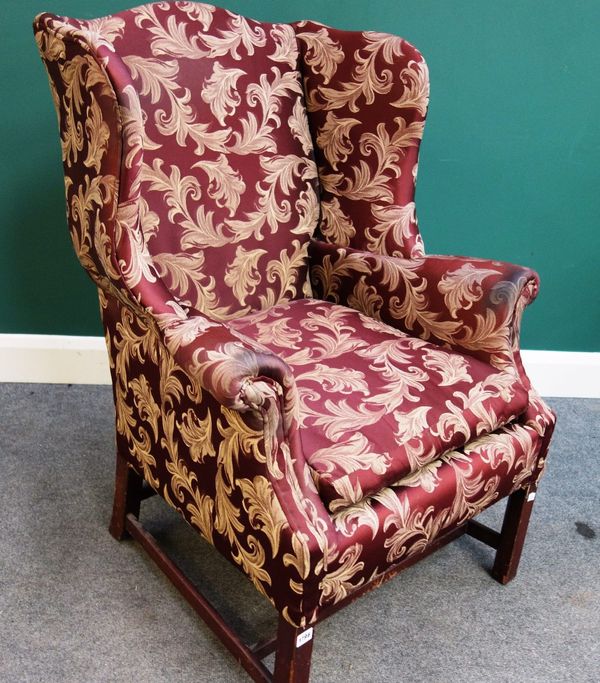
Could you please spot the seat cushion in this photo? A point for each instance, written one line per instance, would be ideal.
(376, 404)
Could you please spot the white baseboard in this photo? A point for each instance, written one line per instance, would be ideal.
(55, 359)
(564, 373)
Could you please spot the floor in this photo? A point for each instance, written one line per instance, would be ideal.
(76, 606)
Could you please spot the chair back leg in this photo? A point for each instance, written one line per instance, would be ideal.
(128, 497)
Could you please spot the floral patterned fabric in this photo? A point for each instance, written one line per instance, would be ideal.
(367, 96)
(243, 481)
(375, 404)
(191, 200)
(470, 305)
(218, 150)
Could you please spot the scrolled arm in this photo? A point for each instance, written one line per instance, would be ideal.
(233, 368)
(472, 305)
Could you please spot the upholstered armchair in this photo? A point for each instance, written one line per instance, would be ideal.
(317, 398)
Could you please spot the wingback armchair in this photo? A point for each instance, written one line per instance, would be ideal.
(318, 399)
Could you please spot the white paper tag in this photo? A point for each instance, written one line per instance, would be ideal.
(531, 497)
(304, 637)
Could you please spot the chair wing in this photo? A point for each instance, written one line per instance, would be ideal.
(366, 95)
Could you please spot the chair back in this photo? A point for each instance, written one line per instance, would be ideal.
(217, 181)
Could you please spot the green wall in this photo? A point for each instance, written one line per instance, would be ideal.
(509, 165)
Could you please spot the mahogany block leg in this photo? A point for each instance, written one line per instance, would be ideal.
(512, 536)
(294, 650)
(516, 521)
(128, 496)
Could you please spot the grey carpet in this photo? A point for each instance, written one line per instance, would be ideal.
(76, 606)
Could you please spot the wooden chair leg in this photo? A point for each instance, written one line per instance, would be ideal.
(512, 536)
(294, 650)
(128, 496)
(516, 521)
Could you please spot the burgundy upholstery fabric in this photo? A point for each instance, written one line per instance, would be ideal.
(366, 96)
(219, 151)
(470, 305)
(243, 481)
(375, 404)
(314, 445)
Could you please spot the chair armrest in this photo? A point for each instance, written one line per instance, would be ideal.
(243, 476)
(230, 366)
(265, 501)
(239, 476)
(471, 305)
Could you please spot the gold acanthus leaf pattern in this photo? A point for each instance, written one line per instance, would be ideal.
(334, 140)
(322, 53)
(260, 502)
(196, 434)
(356, 453)
(220, 91)
(462, 287)
(243, 274)
(225, 185)
(198, 230)
(416, 91)
(181, 330)
(335, 225)
(79, 73)
(373, 184)
(257, 134)
(97, 132)
(172, 39)
(286, 48)
(243, 480)
(280, 174)
(451, 368)
(337, 584)
(103, 31)
(298, 124)
(394, 220)
(242, 33)
(365, 298)
(158, 77)
(366, 81)
(185, 270)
